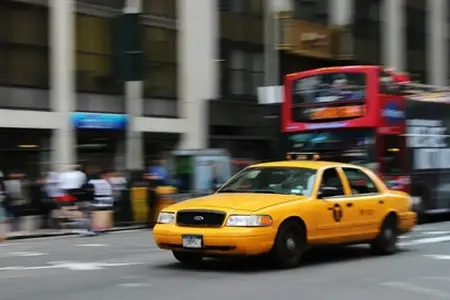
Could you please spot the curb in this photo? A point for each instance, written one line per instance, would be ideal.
(61, 234)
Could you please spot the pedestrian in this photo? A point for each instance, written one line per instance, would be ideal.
(101, 195)
(49, 195)
(71, 181)
(15, 197)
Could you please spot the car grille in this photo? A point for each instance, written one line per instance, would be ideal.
(200, 218)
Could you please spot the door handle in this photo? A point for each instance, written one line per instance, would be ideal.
(381, 201)
(349, 204)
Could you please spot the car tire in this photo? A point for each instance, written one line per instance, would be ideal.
(188, 258)
(289, 245)
(386, 241)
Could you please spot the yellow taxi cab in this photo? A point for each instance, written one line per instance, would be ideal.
(279, 209)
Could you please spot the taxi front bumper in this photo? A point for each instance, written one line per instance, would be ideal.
(407, 221)
(217, 241)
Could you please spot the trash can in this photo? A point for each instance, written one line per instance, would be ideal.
(139, 204)
(164, 197)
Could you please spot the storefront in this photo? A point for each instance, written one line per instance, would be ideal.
(100, 139)
(24, 150)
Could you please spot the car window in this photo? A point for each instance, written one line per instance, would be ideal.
(275, 180)
(360, 182)
(330, 178)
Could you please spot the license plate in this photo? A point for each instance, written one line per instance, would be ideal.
(192, 241)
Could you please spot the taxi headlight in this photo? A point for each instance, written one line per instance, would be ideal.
(166, 218)
(249, 221)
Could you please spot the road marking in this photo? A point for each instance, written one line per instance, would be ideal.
(432, 240)
(72, 266)
(92, 245)
(435, 232)
(414, 288)
(23, 254)
(437, 256)
(134, 284)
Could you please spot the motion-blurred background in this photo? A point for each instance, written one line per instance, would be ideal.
(164, 74)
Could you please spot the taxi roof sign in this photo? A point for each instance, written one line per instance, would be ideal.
(302, 156)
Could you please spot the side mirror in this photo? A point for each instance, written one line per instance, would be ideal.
(327, 192)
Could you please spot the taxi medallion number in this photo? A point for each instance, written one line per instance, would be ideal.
(192, 241)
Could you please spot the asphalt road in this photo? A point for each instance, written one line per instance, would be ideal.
(127, 265)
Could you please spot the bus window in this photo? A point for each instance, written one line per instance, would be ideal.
(394, 152)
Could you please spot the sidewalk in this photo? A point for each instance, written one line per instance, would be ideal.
(30, 228)
(43, 233)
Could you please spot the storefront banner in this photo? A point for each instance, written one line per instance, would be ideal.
(99, 121)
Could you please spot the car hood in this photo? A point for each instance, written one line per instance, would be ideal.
(236, 201)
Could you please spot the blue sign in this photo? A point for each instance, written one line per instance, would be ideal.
(99, 121)
(393, 113)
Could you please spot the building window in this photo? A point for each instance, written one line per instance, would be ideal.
(24, 54)
(313, 11)
(257, 72)
(416, 39)
(160, 76)
(238, 71)
(257, 7)
(251, 7)
(163, 8)
(367, 29)
(94, 72)
(246, 71)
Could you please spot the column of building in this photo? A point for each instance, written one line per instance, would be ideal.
(394, 34)
(134, 156)
(437, 42)
(62, 80)
(198, 67)
(341, 12)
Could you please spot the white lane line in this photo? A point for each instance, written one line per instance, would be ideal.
(414, 288)
(438, 256)
(134, 284)
(431, 240)
(22, 254)
(435, 232)
(73, 266)
(92, 245)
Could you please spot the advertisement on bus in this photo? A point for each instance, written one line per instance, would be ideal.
(328, 98)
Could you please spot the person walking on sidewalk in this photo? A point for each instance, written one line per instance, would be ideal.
(102, 196)
(15, 197)
(70, 182)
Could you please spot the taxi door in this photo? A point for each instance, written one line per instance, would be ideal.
(366, 200)
(332, 216)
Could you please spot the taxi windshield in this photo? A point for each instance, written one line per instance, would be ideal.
(272, 180)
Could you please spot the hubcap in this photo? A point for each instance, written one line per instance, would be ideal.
(388, 233)
(290, 244)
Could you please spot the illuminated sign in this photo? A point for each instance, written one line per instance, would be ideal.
(99, 121)
(352, 111)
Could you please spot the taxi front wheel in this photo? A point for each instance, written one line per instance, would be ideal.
(386, 241)
(188, 258)
(289, 245)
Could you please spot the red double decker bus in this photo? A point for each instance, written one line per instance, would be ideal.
(372, 116)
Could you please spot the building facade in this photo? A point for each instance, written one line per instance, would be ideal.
(64, 97)
(410, 36)
(70, 91)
